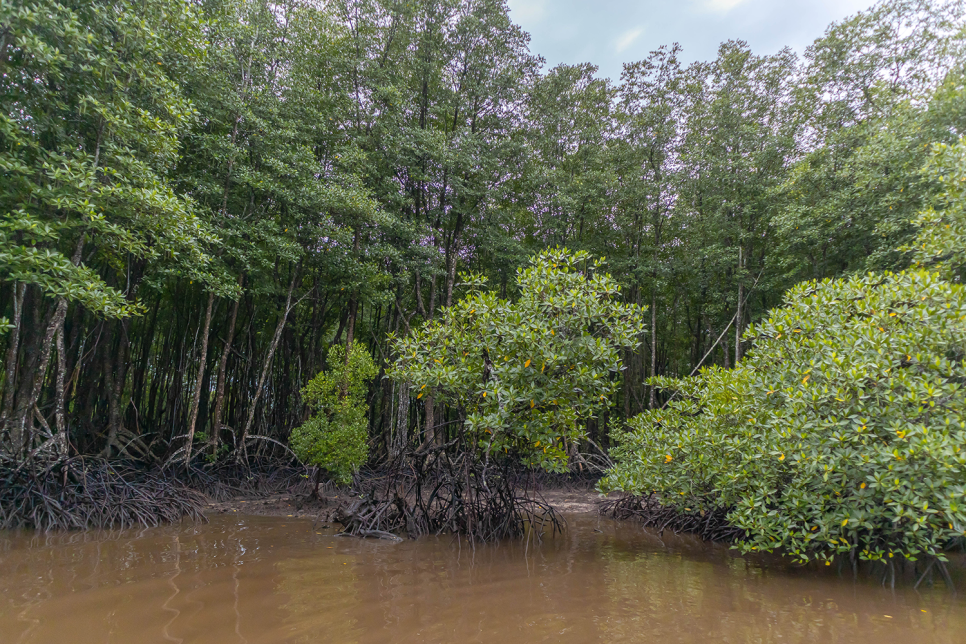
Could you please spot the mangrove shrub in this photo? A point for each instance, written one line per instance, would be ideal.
(335, 438)
(524, 376)
(841, 432)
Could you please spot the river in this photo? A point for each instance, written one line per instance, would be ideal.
(268, 579)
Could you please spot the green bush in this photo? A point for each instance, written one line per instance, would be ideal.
(527, 374)
(942, 227)
(335, 438)
(841, 432)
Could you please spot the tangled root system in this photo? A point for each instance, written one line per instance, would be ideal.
(438, 494)
(82, 493)
(228, 479)
(709, 525)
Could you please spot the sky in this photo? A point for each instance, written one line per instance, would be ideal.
(608, 33)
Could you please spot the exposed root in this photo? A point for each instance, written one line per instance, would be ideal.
(83, 493)
(229, 479)
(438, 494)
(711, 526)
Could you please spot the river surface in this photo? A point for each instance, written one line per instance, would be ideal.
(269, 579)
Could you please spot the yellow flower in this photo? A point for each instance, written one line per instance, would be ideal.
(526, 364)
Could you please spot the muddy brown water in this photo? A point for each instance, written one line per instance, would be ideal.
(268, 579)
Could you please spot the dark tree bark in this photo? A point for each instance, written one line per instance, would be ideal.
(240, 448)
(202, 362)
(222, 371)
(13, 348)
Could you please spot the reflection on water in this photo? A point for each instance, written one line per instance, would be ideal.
(261, 579)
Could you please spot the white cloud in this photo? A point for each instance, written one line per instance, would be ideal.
(626, 39)
(721, 6)
(527, 12)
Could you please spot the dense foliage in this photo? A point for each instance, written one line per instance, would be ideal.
(200, 201)
(526, 375)
(842, 430)
(335, 438)
(941, 240)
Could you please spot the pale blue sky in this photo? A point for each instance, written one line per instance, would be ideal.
(611, 32)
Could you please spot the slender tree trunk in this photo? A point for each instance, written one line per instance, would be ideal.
(629, 365)
(222, 370)
(10, 369)
(202, 362)
(402, 422)
(35, 378)
(240, 448)
(115, 388)
(451, 259)
(429, 434)
(141, 368)
(652, 403)
(60, 414)
(20, 436)
(353, 310)
(738, 317)
(351, 325)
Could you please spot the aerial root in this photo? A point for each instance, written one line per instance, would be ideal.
(83, 493)
(444, 495)
(710, 525)
(228, 479)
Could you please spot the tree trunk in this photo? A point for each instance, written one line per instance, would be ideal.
(429, 434)
(353, 310)
(115, 389)
(19, 431)
(652, 403)
(10, 369)
(240, 448)
(351, 325)
(20, 434)
(60, 409)
(628, 355)
(222, 370)
(738, 316)
(431, 418)
(401, 437)
(202, 362)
